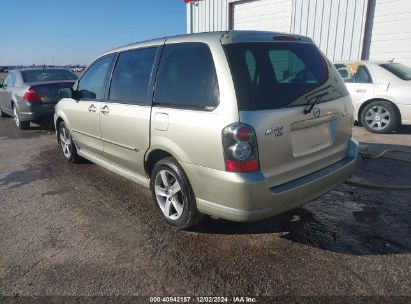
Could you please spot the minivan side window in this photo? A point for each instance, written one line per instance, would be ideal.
(92, 84)
(131, 76)
(187, 77)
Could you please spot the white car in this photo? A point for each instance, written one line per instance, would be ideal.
(381, 93)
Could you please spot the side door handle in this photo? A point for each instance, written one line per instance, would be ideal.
(92, 108)
(105, 110)
(361, 90)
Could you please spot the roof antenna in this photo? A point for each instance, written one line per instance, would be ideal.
(392, 60)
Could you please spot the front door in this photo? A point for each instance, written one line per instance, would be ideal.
(83, 118)
(83, 112)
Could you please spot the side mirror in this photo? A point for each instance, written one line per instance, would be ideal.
(66, 93)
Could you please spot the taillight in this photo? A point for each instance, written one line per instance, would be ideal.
(31, 95)
(240, 148)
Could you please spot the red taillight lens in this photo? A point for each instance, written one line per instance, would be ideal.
(243, 134)
(240, 148)
(237, 166)
(31, 95)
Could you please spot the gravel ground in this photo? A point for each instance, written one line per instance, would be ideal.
(70, 231)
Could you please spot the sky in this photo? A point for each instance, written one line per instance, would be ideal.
(77, 31)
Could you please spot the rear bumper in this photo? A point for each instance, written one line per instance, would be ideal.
(29, 111)
(249, 197)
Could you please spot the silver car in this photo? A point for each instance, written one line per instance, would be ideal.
(237, 125)
(380, 92)
(30, 94)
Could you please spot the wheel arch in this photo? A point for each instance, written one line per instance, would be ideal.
(57, 124)
(60, 118)
(153, 157)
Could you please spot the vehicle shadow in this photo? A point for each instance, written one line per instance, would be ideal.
(53, 168)
(10, 131)
(46, 124)
(348, 220)
(403, 130)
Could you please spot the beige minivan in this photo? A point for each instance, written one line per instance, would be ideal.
(239, 125)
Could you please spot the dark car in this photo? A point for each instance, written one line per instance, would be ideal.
(30, 94)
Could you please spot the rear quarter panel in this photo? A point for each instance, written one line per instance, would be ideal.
(194, 137)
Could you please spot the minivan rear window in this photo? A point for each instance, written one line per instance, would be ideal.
(272, 75)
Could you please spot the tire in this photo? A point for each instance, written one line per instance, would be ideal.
(22, 125)
(67, 145)
(178, 209)
(380, 117)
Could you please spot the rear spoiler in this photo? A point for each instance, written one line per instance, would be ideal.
(260, 36)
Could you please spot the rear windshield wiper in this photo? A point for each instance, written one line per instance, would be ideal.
(313, 100)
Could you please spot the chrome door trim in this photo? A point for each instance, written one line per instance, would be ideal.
(86, 134)
(120, 145)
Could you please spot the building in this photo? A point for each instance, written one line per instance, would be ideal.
(343, 29)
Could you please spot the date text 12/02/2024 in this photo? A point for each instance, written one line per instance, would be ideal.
(240, 299)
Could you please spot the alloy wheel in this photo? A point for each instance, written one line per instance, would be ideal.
(66, 142)
(377, 118)
(169, 195)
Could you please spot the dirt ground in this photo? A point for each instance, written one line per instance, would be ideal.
(75, 231)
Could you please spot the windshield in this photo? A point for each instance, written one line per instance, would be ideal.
(47, 75)
(270, 75)
(398, 69)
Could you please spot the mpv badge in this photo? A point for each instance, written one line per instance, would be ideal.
(276, 131)
(316, 112)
